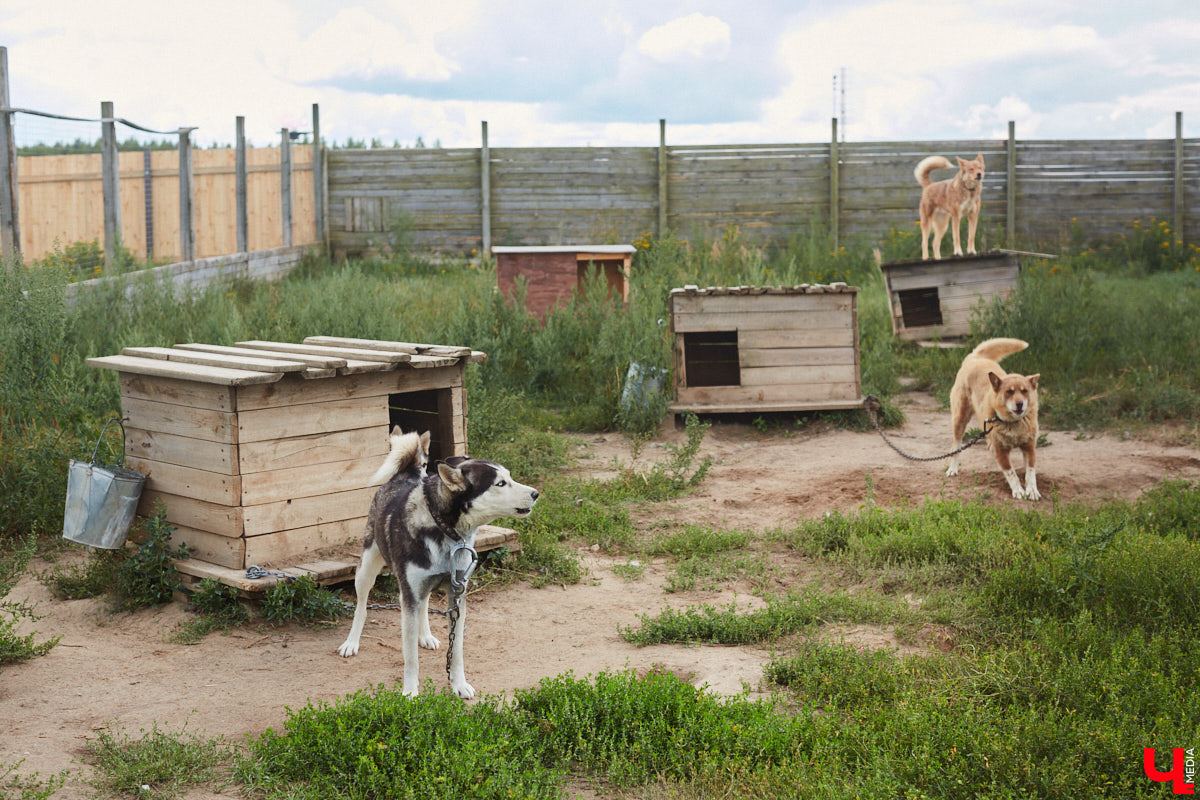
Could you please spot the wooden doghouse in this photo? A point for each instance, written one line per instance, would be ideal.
(553, 273)
(261, 452)
(755, 349)
(933, 299)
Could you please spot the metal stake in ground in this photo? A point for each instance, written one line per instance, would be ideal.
(872, 405)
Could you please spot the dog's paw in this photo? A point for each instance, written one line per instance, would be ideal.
(1033, 494)
(1018, 493)
(348, 648)
(951, 470)
(464, 690)
(429, 642)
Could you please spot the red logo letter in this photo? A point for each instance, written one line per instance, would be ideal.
(1178, 786)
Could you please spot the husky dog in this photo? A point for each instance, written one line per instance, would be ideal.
(415, 521)
(984, 390)
(948, 201)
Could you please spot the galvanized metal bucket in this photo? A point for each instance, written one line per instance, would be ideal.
(101, 499)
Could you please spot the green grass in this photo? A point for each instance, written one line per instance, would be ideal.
(798, 611)
(15, 786)
(160, 765)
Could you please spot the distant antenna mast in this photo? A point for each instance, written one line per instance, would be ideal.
(834, 110)
(842, 123)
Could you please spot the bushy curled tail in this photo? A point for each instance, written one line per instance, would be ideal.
(928, 165)
(408, 450)
(996, 349)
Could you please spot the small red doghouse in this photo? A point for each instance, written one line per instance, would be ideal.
(553, 272)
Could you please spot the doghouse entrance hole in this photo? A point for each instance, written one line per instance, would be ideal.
(920, 307)
(612, 270)
(418, 411)
(710, 358)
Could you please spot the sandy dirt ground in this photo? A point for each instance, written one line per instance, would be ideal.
(122, 672)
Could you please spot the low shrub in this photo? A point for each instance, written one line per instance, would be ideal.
(302, 600)
(148, 577)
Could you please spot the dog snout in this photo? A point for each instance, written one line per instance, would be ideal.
(534, 494)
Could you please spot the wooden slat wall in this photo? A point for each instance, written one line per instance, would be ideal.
(1104, 185)
(61, 201)
(572, 195)
(766, 190)
(436, 190)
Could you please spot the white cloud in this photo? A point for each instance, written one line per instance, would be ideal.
(356, 43)
(991, 121)
(695, 36)
(903, 56)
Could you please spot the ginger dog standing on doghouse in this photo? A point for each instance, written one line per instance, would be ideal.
(1006, 401)
(948, 201)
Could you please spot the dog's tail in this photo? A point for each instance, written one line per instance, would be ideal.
(927, 166)
(996, 349)
(405, 451)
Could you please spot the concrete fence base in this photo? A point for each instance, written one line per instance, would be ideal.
(265, 265)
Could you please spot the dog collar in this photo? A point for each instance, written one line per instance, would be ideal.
(438, 519)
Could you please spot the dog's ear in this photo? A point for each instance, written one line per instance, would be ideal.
(452, 476)
(396, 430)
(979, 158)
(425, 442)
(1033, 379)
(961, 164)
(995, 379)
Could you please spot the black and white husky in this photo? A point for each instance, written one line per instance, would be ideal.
(415, 521)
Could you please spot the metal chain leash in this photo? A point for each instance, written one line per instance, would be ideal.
(254, 572)
(872, 405)
(456, 593)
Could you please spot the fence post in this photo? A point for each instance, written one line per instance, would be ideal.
(485, 189)
(835, 157)
(662, 178)
(110, 182)
(187, 228)
(241, 213)
(318, 168)
(10, 234)
(241, 208)
(148, 196)
(1179, 177)
(1010, 200)
(285, 184)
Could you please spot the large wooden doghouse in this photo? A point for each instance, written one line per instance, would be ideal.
(553, 273)
(756, 349)
(262, 452)
(933, 299)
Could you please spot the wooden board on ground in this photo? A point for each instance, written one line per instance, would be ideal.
(325, 571)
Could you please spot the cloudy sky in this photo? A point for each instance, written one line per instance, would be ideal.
(603, 72)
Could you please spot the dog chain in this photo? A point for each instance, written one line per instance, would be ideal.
(871, 404)
(455, 595)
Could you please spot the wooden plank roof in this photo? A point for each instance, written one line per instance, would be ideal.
(257, 361)
(804, 288)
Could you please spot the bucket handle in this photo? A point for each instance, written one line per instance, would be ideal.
(96, 449)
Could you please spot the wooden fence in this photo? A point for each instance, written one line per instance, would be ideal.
(61, 201)
(1034, 194)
